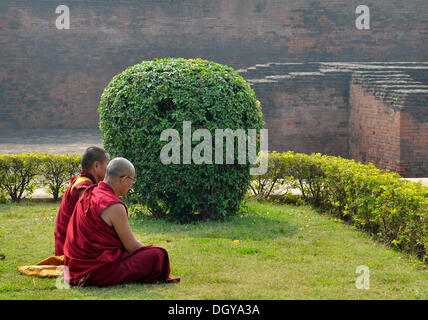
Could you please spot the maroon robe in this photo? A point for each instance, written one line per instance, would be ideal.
(69, 199)
(94, 253)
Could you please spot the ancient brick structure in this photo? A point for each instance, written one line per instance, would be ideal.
(371, 112)
(52, 78)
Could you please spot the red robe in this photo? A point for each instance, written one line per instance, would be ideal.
(69, 199)
(94, 253)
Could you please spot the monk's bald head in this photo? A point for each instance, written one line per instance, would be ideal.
(119, 167)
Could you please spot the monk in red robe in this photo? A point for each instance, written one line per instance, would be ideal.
(94, 163)
(100, 248)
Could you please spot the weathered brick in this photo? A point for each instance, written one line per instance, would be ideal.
(53, 78)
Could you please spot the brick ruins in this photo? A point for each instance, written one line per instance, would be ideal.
(371, 112)
(312, 98)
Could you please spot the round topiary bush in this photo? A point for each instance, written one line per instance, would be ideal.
(142, 102)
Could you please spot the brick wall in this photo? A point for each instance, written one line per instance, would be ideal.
(389, 119)
(414, 141)
(307, 113)
(374, 129)
(371, 112)
(53, 78)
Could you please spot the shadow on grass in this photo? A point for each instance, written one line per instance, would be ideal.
(249, 226)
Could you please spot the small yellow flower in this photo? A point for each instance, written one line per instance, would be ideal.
(235, 241)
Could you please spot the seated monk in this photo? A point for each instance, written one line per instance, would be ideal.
(94, 163)
(100, 248)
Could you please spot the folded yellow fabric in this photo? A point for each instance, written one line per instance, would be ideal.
(51, 267)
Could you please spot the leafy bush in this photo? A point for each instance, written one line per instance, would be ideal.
(308, 174)
(276, 178)
(150, 97)
(3, 195)
(379, 201)
(57, 170)
(292, 170)
(17, 173)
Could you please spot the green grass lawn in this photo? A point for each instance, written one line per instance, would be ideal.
(284, 252)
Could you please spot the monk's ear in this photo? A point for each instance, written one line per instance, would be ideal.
(96, 164)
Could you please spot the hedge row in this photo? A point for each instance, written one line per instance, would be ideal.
(378, 201)
(20, 173)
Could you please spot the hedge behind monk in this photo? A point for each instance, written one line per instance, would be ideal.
(21, 174)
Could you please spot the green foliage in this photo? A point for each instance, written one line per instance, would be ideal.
(378, 201)
(3, 196)
(150, 97)
(57, 170)
(275, 179)
(17, 173)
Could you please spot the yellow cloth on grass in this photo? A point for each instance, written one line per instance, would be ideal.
(51, 267)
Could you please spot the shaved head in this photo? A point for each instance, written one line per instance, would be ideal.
(119, 167)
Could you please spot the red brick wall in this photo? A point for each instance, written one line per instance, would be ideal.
(374, 131)
(414, 141)
(53, 78)
(307, 114)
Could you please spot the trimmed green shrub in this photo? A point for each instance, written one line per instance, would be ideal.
(17, 174)
(150, 97)
(57, 170)
(306, 172)
(378, 201)
(276, 179)
(3, 195)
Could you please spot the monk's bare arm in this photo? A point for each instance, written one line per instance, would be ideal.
(117, 217)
